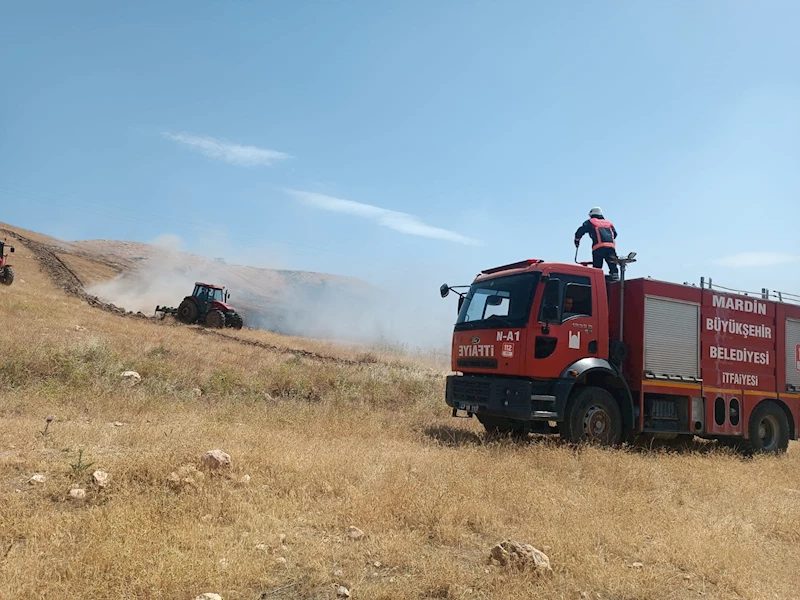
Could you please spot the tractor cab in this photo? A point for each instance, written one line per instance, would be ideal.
(3, 254)
(207, 295)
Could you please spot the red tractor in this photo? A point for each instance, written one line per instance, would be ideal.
(207, 305)
(6, 270)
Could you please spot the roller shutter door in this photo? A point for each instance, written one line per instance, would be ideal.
(792, 341)
(672, 338)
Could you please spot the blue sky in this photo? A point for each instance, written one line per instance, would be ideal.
(411, 142)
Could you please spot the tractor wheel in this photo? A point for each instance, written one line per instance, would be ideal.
(215, 319)
(235, 320)
(593, 417)
(188, 311)
(769, 429)
(8, 276)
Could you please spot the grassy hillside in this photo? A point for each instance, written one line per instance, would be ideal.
(323, 438)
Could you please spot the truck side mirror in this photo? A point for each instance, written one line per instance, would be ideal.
(552, 292)
(550, 313)
(444, 290)
(11, 249)
(552, 295)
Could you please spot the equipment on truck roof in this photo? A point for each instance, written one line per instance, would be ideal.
(207, 305)
(552, 347)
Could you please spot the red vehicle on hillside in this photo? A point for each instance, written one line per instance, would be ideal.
(207, 305)
(549, 347)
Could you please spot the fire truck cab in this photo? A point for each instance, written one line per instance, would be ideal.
(552, 347)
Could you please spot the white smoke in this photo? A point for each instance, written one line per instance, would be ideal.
(161, 278)
(312, 305)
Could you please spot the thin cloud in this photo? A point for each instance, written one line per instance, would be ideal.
(399, 221)
(757, 259)
(246, 156)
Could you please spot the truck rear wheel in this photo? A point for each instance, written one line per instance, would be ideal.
(7, 277)
(593, 417)
(769, 429)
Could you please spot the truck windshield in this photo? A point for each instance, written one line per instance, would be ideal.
(500, 302)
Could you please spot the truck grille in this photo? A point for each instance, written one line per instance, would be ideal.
(469, 390)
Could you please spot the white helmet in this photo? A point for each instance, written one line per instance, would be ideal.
(596, 212)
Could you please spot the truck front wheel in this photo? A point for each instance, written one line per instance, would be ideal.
(592, 417)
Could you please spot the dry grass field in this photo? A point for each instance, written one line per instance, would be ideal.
(323, 438)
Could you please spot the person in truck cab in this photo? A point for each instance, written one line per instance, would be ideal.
(567, 311)
(574, 306)
(603, 235)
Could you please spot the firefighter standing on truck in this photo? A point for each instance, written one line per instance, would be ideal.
(603, 235)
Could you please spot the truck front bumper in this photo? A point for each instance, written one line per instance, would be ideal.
(517, 399)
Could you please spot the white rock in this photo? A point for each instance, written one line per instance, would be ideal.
(354, 533)
(101, 478)
(522, 556)
(197, 392)
(216, 459)
(342, 592)
(282, 538)
(37, 478)
(280, 560)
(208, 596)
(377, 564)
(637, 565)
(132, 376)
(262, 547)
(338, 573)
(245, 480)
(118, 424)
(80, 328)
(77, 493)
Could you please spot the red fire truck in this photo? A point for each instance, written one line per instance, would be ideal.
(559, 348)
